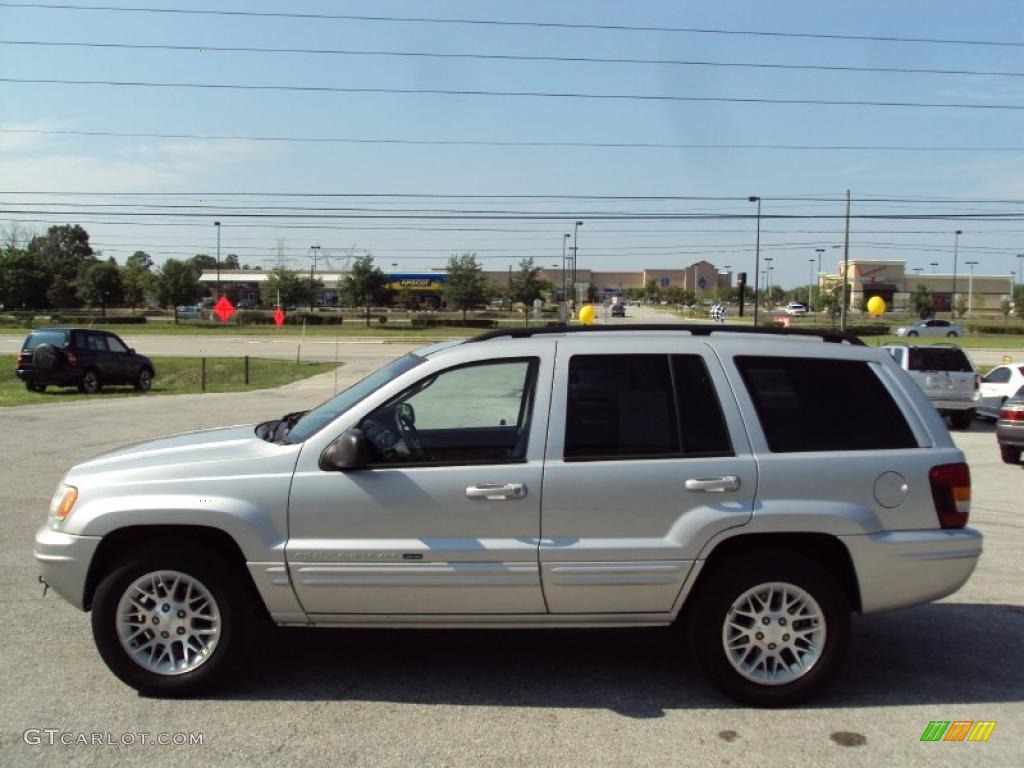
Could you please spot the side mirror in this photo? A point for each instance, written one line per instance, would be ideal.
(349, 451)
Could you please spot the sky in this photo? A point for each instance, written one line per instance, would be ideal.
(505, 203)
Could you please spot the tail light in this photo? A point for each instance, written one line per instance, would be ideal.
(1012, 412)
(951, 490)
(977, 381)
(72, 360)
(21, 361)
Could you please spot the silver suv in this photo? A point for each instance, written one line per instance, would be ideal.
(947, 376)
(752, 489)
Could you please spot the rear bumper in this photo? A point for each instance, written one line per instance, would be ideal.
(947, 405)
(896, 569)
(1010, 433)
(64, 562)
(62, 377)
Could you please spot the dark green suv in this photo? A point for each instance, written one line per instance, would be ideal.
(83, 358)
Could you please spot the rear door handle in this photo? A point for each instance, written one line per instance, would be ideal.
(496, 491)
(713, 484)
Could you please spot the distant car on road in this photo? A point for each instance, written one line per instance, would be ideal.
(1010, 428)
(998, 386)
(246, 304)
(83, 358)
(932, 327)
(795, 308)
(618, 310)
(188, 313)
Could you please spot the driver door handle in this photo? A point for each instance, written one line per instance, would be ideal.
(496, 491)
(713, 484)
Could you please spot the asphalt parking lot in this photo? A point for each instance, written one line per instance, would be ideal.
(611, 697)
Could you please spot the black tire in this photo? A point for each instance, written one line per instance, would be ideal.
(90, 383)
(726, 584)
(144, 380)
(45, 358)
(951, 335)
(912, 333)
(35, 387)
(231, 598)
(961, 419)
(1010, 454)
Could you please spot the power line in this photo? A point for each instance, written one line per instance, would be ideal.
(525, 24)
(657, 98)
(518, 58)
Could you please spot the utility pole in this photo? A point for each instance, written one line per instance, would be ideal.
(952, 296)
(312, 269)
(575, 251)
(217, 225)
(970, 288)
(810, 280)
(846, 267)
(1020, 265)
(819, 251)
(757, 254)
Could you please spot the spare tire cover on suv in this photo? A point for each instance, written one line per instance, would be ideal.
(44, 357)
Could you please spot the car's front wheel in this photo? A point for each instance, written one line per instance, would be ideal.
(1010, 454)
(770, 630)
(166, 622)
(144, 380)
(912, 333)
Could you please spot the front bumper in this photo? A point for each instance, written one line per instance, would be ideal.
(64, 562)
(896, 569)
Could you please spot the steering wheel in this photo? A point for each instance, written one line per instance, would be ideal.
(405, 422)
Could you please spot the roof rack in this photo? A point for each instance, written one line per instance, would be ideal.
(695, 329)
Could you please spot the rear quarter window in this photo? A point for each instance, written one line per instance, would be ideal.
(815, 404)
(56, 338)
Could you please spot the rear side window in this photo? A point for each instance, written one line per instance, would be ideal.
(810, 404)
(642, 406)
(939, 359)
(56, 338)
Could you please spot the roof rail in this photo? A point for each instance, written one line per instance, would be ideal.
(695, 329)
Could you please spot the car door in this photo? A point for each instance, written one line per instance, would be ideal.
(995, 387)
(120, 359)
(445, 517)
(98, 356)
(647, 460)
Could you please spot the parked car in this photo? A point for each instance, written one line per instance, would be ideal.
(998, 386)
(932, 327)
(1010, 428)
(188, 313)
(246, 304)
(544, 477)
(795, 308)
(947, 376)
(83, 358)
(618, 310)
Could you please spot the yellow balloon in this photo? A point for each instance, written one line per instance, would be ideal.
(587, 314)
(876, 306)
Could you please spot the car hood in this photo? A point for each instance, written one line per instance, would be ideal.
(191, 449)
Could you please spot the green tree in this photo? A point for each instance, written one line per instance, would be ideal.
(100, 285)
(466, 286)
(526, 284)
(64, 252)
(960, 306)
(23, 280)
(921, 301)
(137, 277)
(1006, 307)
(177, 283)
(285, 287)
(1018, 300)
(230, 262)
(204, 262)
(365, 284)
(651, 291)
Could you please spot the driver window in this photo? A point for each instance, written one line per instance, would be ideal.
(471, 414)
(115, 345)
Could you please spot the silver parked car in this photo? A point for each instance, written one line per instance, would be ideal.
(946, 374)
(557, 477)
(1010, 428)
(932, 327)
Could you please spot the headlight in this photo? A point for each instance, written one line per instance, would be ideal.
(63, 500)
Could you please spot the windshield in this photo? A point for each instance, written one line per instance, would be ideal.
(326, 412)
(939, 359)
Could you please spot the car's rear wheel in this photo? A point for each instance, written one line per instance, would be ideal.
(961, 419)
(1010, 454)
(35, 387)
(770, 630)
(90, 383)
(951, 335)
(144, 380)
(166, 622)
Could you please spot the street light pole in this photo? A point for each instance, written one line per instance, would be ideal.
(768, 282)
(952, 298)
(575, 252)
(970, 287)
(217, 225)
(757, 254)
(565, 296)
(810, 279)
(819, 251)
(1020, 265)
